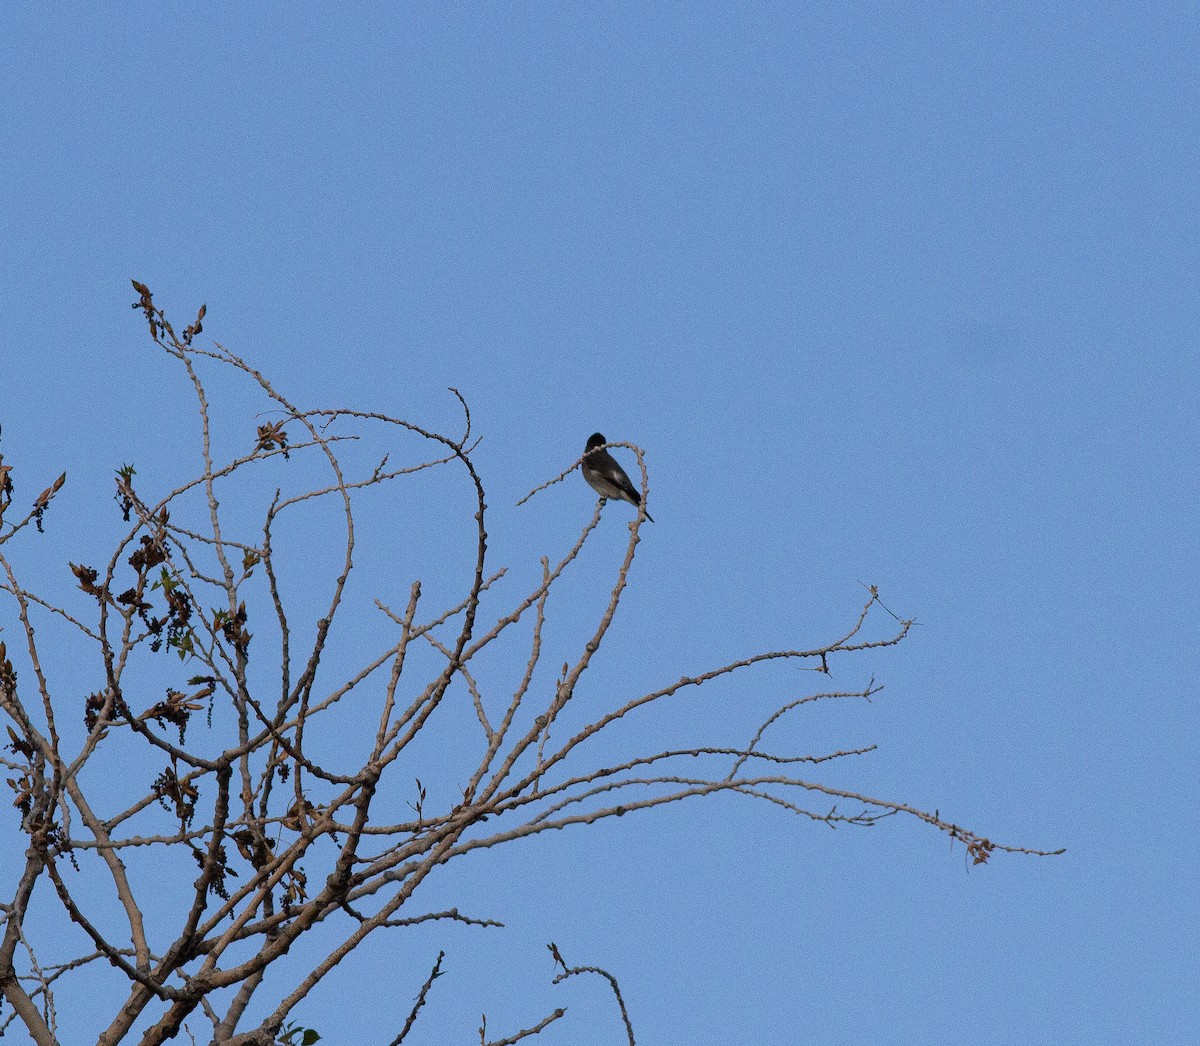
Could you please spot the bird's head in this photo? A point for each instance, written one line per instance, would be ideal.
(595, 440)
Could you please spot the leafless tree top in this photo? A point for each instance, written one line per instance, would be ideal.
(207, 744)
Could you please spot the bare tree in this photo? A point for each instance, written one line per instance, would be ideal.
(228, 768)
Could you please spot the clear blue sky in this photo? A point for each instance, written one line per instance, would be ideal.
(900, 293)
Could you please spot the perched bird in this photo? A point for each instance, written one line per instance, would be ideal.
(606, 477)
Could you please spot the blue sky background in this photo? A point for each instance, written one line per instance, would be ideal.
(896, 293)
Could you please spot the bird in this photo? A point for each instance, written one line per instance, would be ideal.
(606, 477)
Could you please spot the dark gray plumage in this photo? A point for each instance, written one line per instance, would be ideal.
(606, 477)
